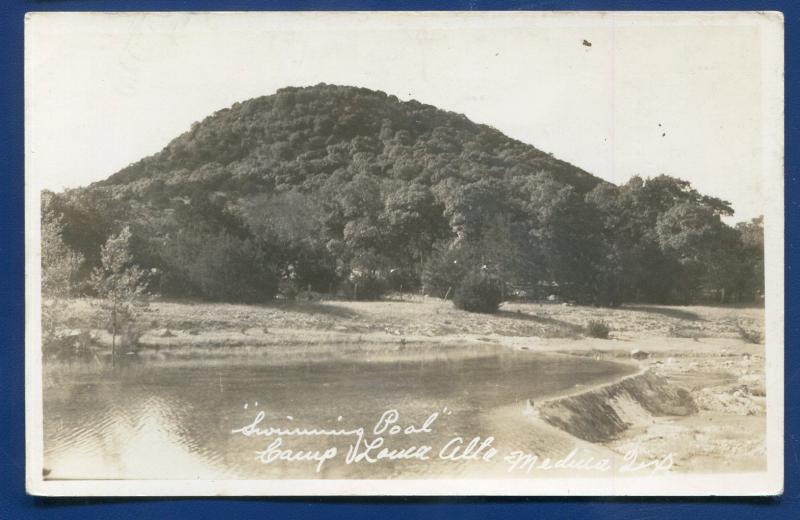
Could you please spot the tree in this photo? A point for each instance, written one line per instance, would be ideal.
(60, 263)
(413, 221)
(357, 238)
(120, 284)
(230, 269)
(568, 235)
(326, 184)
(60, 267)
(653, 265)
(444, 270)
(291, 224)
(705, 248)
(618, 262)
(491, 229)
(751, 236)
(86, 220)
(472, 207)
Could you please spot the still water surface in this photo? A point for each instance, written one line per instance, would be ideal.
(162, 420)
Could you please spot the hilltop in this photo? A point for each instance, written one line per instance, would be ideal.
(300, 137)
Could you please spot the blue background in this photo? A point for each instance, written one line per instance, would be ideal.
(14, 503)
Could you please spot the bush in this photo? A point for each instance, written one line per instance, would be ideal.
(478, 293)
(749, 334)
(598, 329)
(68, 345)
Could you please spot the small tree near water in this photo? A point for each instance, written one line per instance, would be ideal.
(121, 285)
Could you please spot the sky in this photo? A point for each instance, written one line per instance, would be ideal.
(617, 95)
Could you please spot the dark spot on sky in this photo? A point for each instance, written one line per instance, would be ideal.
(663, 134)
(587, 43)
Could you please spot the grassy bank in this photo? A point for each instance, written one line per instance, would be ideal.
(175, 324)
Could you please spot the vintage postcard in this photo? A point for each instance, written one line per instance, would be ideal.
(408, 253)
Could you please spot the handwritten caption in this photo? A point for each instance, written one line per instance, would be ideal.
(390, 439)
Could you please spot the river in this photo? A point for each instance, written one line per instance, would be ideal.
(150, 419)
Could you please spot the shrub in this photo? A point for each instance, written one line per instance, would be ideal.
(478, 293)
(598, 329)
(749, 334)
(68, 345)
(686, 331)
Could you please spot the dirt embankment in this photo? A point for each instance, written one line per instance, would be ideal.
(728, 433)
(602, 413)
(706, 407)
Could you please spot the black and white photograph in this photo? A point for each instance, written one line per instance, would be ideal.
(363, 253)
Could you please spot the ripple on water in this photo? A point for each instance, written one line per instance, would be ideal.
(156, 420)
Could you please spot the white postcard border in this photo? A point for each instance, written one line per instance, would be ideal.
(769, 482)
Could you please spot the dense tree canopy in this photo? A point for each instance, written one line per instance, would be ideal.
(345, 189)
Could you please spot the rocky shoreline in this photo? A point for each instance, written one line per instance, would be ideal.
(708, 409)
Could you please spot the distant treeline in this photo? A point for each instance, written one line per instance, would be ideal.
(350, 191)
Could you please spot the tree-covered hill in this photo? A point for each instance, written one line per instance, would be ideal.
(348, 190)
(301, 137)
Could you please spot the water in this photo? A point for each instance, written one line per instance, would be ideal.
(167, 420)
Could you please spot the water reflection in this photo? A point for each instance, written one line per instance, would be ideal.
(172, 420)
